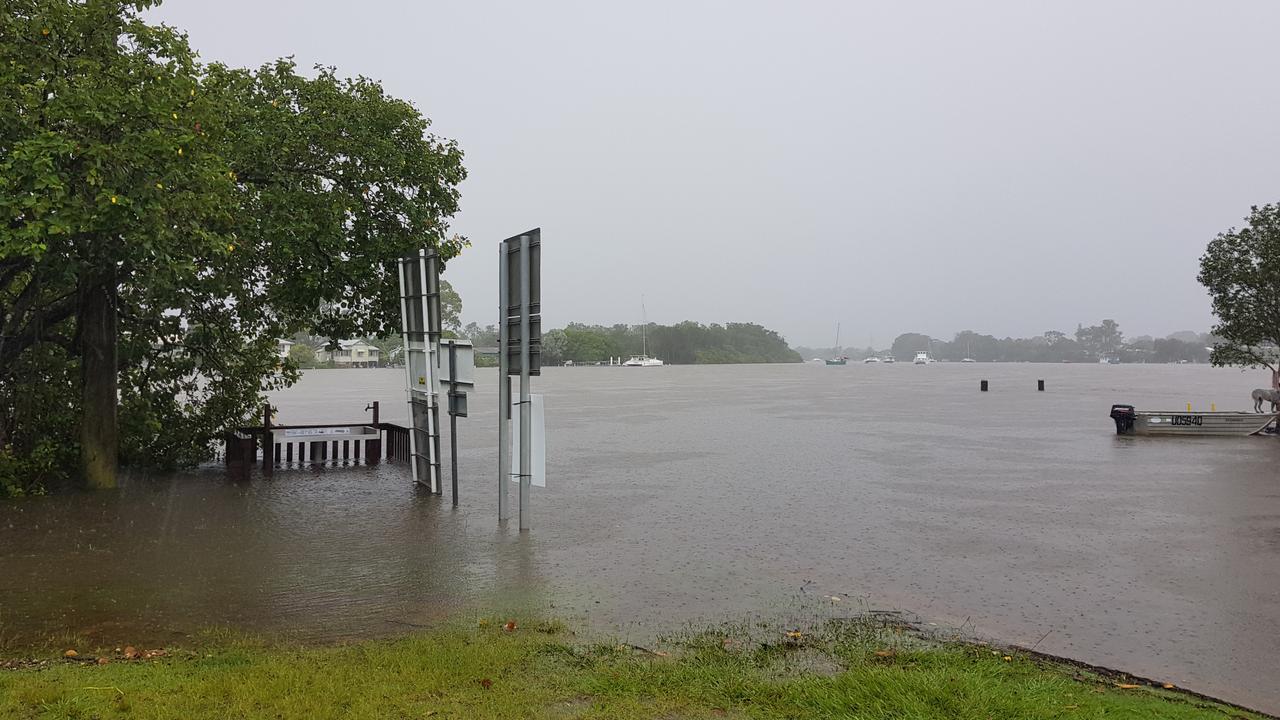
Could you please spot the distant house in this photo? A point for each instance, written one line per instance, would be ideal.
(351, 353)
(283, 347)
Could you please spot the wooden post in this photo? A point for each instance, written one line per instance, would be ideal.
(241, 449)
(1040, 385)
(268, 445)
(983, 386)
(373, 448)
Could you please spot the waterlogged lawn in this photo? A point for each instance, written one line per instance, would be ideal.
(488, 670)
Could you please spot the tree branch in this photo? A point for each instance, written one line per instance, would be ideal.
(36, 329)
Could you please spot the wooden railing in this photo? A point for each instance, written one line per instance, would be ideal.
(397, 441)
(314, 444)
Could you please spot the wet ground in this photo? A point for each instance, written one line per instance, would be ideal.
(698, 493)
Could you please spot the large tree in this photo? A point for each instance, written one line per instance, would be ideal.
(166, 221)
(906, 345)
(1103, 340)
(1241, 270)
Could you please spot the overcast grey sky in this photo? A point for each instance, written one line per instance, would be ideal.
(1007, 167)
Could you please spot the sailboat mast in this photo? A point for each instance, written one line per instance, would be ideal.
(644, 334)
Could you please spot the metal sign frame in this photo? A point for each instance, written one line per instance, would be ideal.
(456, 363)
(420, 318)
(519, 310)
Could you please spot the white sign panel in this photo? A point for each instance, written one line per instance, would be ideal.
(537, 441)
(308, 432)
(466, 372)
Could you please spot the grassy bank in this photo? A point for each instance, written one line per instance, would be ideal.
(845, 669)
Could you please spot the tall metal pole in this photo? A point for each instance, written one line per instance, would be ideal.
(504, 391)
(436, 459)
(453, 417)
(408, 366)
(433, 418)
(526, 416)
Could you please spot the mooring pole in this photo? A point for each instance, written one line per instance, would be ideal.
(526, 416)
(504, 391)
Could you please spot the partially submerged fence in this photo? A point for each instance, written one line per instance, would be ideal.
(281, 446)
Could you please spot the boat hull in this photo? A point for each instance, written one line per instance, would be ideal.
(1195, 423)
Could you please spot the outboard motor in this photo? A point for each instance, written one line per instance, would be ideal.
(1123, 415)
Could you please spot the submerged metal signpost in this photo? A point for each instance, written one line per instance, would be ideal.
(457, 370)
(519, 314)
(420, 313)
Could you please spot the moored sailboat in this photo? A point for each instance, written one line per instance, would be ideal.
(643, 359)
(838, 359)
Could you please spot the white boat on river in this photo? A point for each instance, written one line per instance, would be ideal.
(1130, 421)
(643, 359)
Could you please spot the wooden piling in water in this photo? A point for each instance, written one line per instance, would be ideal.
(983, 386)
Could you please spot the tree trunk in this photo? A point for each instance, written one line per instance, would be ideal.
(96, 323)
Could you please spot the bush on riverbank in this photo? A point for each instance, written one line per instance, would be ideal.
(839, 669)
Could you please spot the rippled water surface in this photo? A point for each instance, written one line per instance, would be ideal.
(694, 493)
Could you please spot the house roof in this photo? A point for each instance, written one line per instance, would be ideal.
(347, 345)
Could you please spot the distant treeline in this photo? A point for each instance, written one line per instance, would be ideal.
(1087, 344)
(685, 343)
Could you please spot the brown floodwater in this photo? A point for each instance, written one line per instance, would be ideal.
(694, 494)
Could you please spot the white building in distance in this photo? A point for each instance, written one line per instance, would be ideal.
(351, 353)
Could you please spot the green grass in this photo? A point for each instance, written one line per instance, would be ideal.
(841, 669)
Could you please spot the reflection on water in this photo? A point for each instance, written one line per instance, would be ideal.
(687, 493)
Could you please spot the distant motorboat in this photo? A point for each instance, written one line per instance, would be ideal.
(889, 359)
(923, 358)
(872, 359)
(968, 360)
(642, 361)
